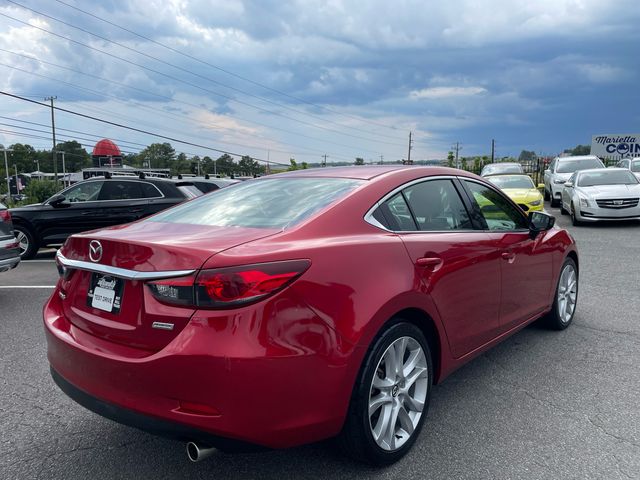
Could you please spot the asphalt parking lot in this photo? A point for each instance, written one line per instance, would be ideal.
(540, 405)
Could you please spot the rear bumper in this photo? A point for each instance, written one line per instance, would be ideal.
(147, 423)
(243, 378)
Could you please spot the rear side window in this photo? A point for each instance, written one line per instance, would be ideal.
(149, 190)
(395, 215)
(121, 190)
(268, 203)
(437, 206)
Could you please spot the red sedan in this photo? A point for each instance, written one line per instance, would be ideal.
(302, 306)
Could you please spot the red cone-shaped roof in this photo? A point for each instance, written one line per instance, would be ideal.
(106, 148)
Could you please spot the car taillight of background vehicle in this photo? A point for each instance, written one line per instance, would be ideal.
(5, 216)
(229, 287)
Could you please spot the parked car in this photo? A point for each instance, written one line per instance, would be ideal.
(520, 189)
(206, 185)
(632, 164)
(501, 168)
(95, 203)
(250, 316)
(9, 251)
(559, 171)
(601, 195)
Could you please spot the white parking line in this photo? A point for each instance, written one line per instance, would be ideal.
(6, 287)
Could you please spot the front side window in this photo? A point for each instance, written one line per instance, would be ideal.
(83, 192)
(498, 212)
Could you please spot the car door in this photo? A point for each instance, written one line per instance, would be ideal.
(122, 201)
(548, 174)
(56, 222)
(455, 264)
(526, 267)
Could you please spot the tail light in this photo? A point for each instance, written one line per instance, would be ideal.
(229, 287)
(5, 216)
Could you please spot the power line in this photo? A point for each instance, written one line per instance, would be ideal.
(204, 62)
(139, 130)
(191, 84)
(94, 92)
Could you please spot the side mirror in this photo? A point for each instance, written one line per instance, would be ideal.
(546, 170)
(568, 184)
(541, 186)
(540, 222)
(57, 200)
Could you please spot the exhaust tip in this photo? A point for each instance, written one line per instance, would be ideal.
(197, 452)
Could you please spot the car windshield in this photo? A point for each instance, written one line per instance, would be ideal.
(269, 203)
(497, 168)
(570, 166)
(635, 166)
(607, 177)
(512, 181)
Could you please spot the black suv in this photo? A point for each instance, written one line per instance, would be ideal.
(95, 203)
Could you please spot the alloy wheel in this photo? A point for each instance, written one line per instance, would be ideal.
(567, 293)
(23, 241)
(398, 393)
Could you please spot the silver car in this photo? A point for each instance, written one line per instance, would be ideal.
(602, 194)
(561, 169)
(9, 249)
(632, 164)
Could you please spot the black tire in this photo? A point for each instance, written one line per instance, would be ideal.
(554, 202)
(356, 438)
(555, 320)
(29, 250)
(547, 197)
(562, 209)
(574, 221)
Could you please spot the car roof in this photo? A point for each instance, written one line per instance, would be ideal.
(366, 172)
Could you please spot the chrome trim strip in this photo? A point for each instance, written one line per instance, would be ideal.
(119, 272)
(162, 326)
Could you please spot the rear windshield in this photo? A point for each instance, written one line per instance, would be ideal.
(570, 166)
(512, 181)
(607, 177)
(189, 191)
(268, 203)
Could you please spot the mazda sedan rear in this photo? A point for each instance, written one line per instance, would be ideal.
(302, 306)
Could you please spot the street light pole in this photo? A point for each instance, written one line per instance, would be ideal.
(6, 169)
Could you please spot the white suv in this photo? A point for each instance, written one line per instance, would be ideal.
(559, 172)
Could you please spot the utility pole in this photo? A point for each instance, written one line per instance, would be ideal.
(457, 148)
(268, 169)
(381, 159)
(53, 129)
(409, 162)
(324, 160)
(17, 186)
(37, 162)
(6, 169)
(64, 171)
(493, 150)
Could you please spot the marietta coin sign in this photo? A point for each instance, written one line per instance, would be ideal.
(616, 145)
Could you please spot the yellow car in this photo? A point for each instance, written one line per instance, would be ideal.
(520, 189)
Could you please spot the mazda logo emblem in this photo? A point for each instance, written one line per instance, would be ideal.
(95, 250)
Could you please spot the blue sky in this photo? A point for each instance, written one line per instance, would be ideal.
(343, 78)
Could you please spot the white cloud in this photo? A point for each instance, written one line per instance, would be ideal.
(446, 92)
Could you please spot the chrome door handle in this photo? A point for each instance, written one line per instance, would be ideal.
(509, 256)
(434, 263)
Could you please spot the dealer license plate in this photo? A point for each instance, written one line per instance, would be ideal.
(105, 293)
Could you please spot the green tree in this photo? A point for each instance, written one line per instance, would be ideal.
(450, 159)
(527, 156)
(75, 156)
(359, 161)
(463, 163)
(226, 165)
(40, 190)
(249, 166)
(294, 164)
(157, 155)
(579, 150)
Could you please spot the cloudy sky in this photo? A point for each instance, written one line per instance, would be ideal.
(302, 79)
